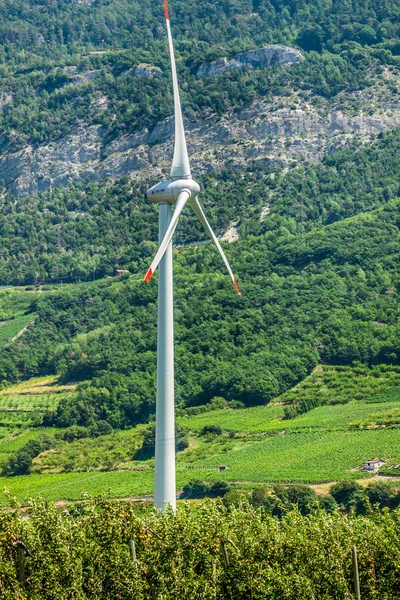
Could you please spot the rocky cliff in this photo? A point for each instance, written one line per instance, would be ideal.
(264, 57)
(277, 133)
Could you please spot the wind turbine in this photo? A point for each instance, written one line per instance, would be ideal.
(176, 191)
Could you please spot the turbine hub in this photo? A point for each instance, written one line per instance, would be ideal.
(168, 191)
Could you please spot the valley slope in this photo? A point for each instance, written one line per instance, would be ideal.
(299, 162)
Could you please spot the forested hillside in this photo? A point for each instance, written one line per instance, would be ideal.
(44, 96)
(320, 281)
(317, 226)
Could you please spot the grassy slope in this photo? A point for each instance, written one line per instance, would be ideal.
(15, 313)
(324, 444)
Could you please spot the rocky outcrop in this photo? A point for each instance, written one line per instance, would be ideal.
(5, 98)
(264, 57)
(277, 134)
(231, 235)
(143, 72)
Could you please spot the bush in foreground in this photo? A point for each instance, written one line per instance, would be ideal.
(83, 553)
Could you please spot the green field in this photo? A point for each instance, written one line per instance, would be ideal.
(72, 486)
(258, 444)
(24, 404)
(269, 419)
(298, 457)
(108, 452)
(15, 313)
(22, 407)
(9, 329)
(259, 418)
(308, 457)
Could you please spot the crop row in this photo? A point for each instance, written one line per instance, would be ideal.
(308, 457)
(11, 328)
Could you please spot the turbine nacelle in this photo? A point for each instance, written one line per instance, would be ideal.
(168, 191)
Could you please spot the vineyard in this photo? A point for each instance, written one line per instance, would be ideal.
(22, 408)
(308, 457)
(205, 553)
(258, 444)
(10, 329)
(352, 415)
(25, 404)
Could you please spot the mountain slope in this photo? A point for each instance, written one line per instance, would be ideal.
(296, 158)
(85, 87)
(330, 293)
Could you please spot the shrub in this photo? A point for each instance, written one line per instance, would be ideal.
(350, 495)
(195, 489)
(20, 463)
(148, 447)
(211, 430)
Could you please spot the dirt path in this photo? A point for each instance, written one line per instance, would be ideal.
(322, 489)
(21, 332)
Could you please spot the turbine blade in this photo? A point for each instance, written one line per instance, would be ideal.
(180, 164)
(195, 204)
(179, 206)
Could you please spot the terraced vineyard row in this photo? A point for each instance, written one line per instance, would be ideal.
(9, 329)
(308, 457)
(258, 445)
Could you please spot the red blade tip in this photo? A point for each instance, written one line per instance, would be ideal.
(166, 10)
(237, 287)
(148, 275)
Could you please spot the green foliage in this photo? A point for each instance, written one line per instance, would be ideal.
(351, 496)
(85, 550)
(196, 489)
(306, 456)
(211, 430)
(301, 496)
(76, 433)
(58, 59)
(290, 412)
(258, 445)
(147, 449)
(9, 329)
(325, 292)
(319, 273)
(90, 229)
(20, 463)
(340, 385)
(282, 499)
(383, 494)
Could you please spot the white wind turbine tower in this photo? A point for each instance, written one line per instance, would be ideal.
(176, 191)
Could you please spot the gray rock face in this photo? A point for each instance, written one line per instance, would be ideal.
(70, 70)
(276, 134)
(143, 72)
(5, 98)
(78, 78)
(264, 57)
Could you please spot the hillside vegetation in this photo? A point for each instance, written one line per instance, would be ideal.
(359, 419)
(330, 293)
(89, 230)
(347, 43)
(301, 373)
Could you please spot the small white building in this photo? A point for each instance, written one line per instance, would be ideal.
(373, 465)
